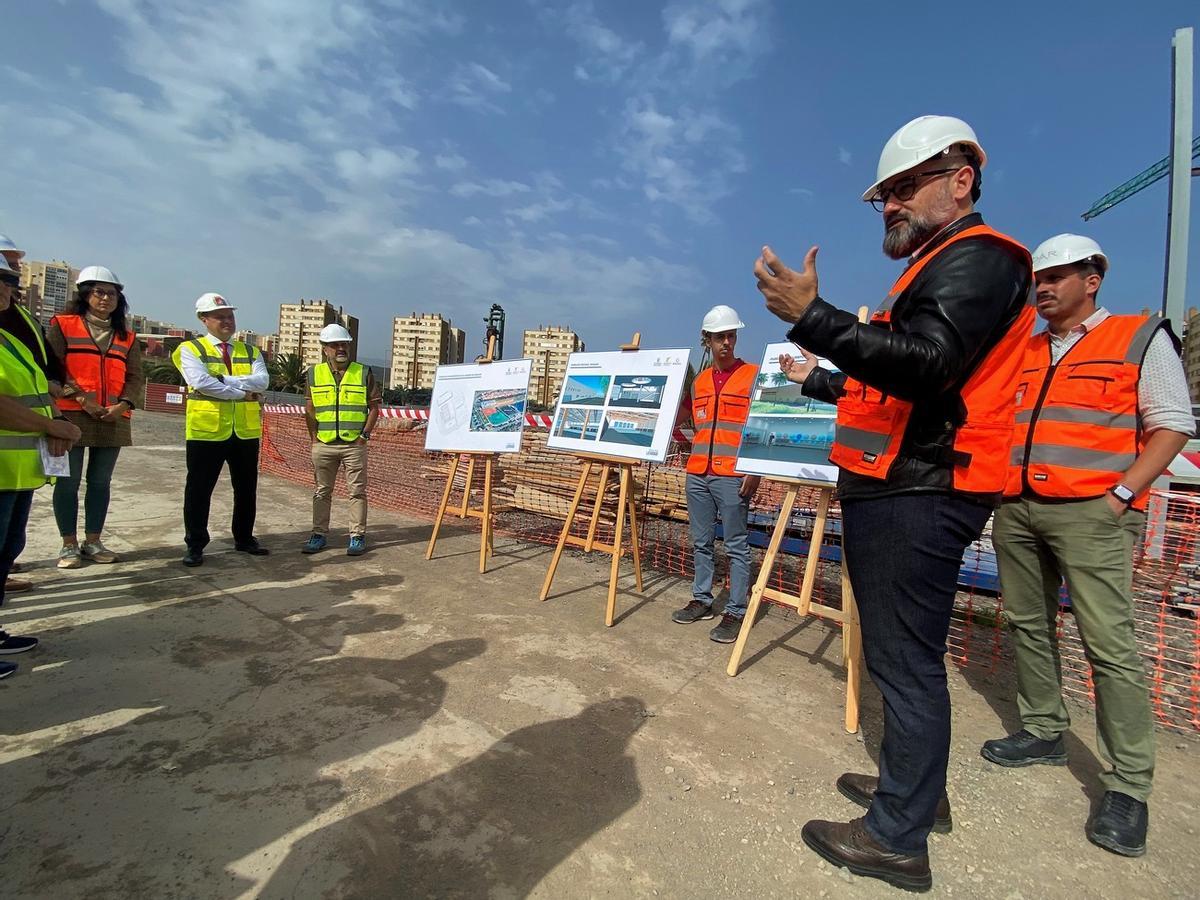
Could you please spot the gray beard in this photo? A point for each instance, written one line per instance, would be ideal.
(904, 239)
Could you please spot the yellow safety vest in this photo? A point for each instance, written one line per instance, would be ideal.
(209, 419)
(22, 380)
(339, 408)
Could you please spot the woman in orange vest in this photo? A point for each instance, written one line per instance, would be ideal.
(720, 404)
(102, 383)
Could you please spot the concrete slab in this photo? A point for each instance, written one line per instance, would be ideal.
(295, 726)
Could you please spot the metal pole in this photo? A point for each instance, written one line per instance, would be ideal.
(1179, 201)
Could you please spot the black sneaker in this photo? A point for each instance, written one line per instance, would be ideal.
(1024, 749)
(695, 611)
(727, 631)
(1120, 824)
(10, 645)
(7, 668)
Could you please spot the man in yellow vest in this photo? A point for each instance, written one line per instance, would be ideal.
(28, 427)
(720, 404)
(925, 398)
(341, 408)
(225, 380)
(1102, 409)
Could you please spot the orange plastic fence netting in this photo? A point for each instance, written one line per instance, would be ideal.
(533, 489)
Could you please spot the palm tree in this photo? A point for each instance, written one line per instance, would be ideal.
(160, 371)
(288, 373)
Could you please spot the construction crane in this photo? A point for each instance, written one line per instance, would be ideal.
(1137, 183)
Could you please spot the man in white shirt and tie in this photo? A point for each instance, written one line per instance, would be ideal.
(225, 381)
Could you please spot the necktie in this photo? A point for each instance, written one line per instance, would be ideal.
(225, 357)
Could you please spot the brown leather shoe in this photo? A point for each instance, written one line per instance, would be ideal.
(850, 845)
(861, 790)
(16, 585)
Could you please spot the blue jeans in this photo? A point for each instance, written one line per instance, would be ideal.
(100, 465)
(709, 498)
(14, 516)
(903, 554)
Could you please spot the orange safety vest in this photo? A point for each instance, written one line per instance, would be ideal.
(1077, 420)
(100, 374)
(871, 425)
(719, 419)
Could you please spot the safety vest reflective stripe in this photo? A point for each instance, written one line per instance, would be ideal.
(860, 439)
(18, 442)
(1074, 457)
(344, 407)
(1141, 340)
(1081, 416)
(32, 400)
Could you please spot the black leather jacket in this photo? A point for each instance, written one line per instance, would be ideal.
(943, 325)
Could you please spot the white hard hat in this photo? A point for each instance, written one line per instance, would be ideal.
(721, 318)
(1064, 249)
(332, 333)
(921, 139)
(211, 303)
(98, 273)
(7, 246)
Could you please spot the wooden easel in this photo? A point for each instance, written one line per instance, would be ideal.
(464, 509)
(626, 509)
(803, 604)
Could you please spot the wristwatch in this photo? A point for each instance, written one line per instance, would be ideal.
(365, 435)
(1122, 493)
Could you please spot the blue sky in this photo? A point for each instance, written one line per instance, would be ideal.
(613, 166)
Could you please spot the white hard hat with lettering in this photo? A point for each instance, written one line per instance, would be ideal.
(211, 303)
(7, 246)
(1065, 249)
(721, 318)
(331, 334)
(921, 139)
(98, 273)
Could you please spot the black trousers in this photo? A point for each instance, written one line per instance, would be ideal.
(204, 462)
(903, 554)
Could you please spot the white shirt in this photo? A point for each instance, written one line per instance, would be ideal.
(1163, 399)
(229, 387)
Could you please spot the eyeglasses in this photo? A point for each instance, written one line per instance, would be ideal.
(104, 294)
(904, 189)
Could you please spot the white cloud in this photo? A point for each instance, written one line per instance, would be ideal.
(684, 160)
(844, 156)
(493, 187)
(450, 162)
(475, 86)
(724, 36)
(376, 164)
(608, 56)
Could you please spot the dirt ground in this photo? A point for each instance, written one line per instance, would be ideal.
(295, 726)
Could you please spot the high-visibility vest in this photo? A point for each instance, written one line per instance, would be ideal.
(42, 356)
(719, 419)
(102, 375)
(1078, 429)
(340, 408)
(22, 380)
(209, 419)
(871, 425)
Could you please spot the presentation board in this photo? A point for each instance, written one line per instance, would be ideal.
(787, 435)
(479, 408)
(619, 403)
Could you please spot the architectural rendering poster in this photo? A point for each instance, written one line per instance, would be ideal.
(787, 434)
(619, 403)
(479, 408)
